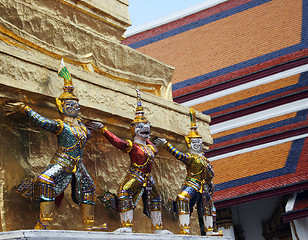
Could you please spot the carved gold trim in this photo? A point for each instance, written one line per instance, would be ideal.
(129, 146)
(156, 92)
(184, 196)
(103, 129)
(128, 223)
(157, 226)
(156, 88)
(183, 228)
(12, 43)
(46, 217)
(88, 219)
(95, 16)
(30, 44)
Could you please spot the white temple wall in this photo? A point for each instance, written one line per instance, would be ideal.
(301, 226)
(250, 215)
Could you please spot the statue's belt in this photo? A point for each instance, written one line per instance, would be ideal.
(195, 183)
(140, 176)
(68, 162)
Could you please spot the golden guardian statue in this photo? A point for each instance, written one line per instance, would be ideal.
(138, 182)
(198, 187)
(66, 165)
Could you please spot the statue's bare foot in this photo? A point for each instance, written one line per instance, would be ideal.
(124, 230)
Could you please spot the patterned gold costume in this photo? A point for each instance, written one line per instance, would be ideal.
(138, 182)
(66, 165)
(198, 187)
(138, 177)
(198, 180)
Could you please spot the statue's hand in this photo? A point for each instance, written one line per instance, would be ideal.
(12, 107)
(94, 125)
(159, 141)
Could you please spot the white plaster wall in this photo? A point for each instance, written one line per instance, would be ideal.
(301, 226)
(228, 233)
(250, 215)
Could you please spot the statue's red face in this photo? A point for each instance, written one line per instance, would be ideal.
(143, 130)
(196, 144)
(71, 108)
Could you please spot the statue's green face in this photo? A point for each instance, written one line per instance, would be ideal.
(143, 130)
(71, 108)
(196, 144)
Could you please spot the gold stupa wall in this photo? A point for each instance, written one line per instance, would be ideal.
(34, 36)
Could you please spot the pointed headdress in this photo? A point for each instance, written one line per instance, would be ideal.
(140, 118)
(139, 110)
(68, 88)
(193, 128)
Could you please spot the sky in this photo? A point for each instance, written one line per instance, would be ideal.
(144, 11)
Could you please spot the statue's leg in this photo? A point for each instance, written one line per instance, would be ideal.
(210, 216)
(87, 213)
(128, 194)
(156, 216)
(208, 220)
(201, 213)
(87, 202)
(156, 207)
(127, 221)
(208, 224)
(157, 226)
(125, 207)
(46, 215)
(184, 211)
(45, 193)
(185, 202)
(208, 210)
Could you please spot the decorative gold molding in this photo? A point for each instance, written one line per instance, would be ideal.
(157, 226)
(12, 43)
(128, 223)
(184, 229)
(154, 89)
(96, 16)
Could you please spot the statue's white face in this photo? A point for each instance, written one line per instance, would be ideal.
(196, 144)
(71, 108)
(143, 130)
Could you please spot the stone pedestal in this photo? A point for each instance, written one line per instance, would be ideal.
(78, 235)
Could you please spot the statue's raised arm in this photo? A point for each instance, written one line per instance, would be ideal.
(198, 186)
(138, 182)
(66, 165)
(51, 125)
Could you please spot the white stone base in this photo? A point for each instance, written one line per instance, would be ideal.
(79, 235)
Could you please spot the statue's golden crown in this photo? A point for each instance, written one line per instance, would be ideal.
(68, 88)
(193, 128)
